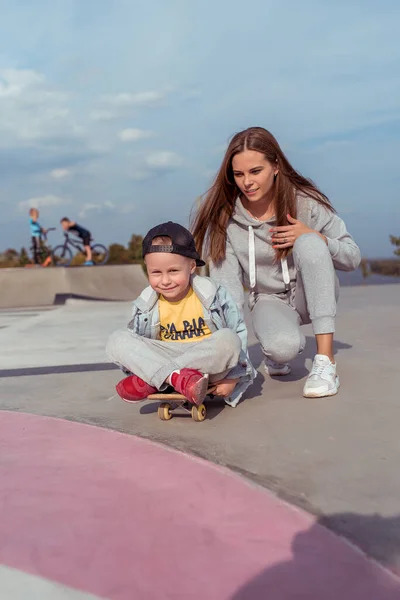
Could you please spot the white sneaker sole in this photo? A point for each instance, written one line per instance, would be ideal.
(199, 390)
(317, 394)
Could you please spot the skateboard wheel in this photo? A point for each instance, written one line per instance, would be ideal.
(199, 412)
(164, 411)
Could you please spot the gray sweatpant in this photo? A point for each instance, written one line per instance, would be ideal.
(155, 360)
(277, 318)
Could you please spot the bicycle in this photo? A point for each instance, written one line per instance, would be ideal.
(63, 255)
(45, 251)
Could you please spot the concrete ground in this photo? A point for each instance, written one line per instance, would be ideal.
(336, 458)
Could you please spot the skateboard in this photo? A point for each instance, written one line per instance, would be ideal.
(170, 401)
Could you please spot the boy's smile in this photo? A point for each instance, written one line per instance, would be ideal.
(169, 274)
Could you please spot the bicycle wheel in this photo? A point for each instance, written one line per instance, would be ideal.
(99, 254)
(62, 256)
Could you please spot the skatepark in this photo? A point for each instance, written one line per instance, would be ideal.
(282, 497)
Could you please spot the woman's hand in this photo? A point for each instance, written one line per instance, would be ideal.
(225, 387)
(285, 236)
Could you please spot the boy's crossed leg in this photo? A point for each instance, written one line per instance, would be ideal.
(156, 364)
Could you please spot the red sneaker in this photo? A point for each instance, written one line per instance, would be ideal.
(192, 384)
(132, 389)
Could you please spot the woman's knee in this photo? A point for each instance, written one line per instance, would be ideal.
(310, 247)
(282, 347)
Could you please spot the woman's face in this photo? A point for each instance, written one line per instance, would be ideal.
(254, 174)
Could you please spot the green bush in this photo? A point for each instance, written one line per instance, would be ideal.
(389, 267)
(396, 242)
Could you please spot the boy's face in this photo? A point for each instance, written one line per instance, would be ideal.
(65, 225)
(35, 215)
(169, 274)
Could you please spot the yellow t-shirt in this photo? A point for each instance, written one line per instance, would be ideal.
(182, 321)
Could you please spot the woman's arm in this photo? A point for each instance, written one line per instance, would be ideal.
(345, 253)
(316, 218)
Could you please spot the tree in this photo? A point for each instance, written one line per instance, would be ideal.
(11, 254)
(118, 255)
(135, 247)
(396, 242)
(23, 258)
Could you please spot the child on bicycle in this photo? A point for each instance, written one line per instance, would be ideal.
(84, 235)
(36, 233)
(185, 332)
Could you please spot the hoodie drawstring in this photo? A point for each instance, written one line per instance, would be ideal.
(252, 259)
(252, 264)
(285, 273)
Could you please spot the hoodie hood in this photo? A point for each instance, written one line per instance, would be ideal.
(244, 218)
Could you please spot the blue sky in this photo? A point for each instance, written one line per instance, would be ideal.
(116, 114)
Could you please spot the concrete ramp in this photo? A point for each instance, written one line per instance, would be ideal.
(44, 287)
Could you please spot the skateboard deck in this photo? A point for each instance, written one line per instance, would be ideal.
(170, 401)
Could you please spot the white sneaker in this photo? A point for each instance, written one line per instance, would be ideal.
(322, 381)
(275, 369)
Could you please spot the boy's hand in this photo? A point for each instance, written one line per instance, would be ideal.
(225, 387)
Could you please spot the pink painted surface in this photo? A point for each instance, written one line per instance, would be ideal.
(125, 518)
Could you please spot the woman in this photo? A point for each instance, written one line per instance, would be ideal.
(264, 226)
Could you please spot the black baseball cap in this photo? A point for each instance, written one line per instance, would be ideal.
(182, 241)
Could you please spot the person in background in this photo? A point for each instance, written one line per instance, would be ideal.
(82, 233)
(36, 233)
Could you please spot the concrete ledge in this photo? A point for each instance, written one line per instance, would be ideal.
(44, 287)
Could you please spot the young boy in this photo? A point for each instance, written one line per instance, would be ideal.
(81, 232)
(185, 332)
(36, 234)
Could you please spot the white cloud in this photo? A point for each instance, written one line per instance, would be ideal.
(105, 207)
(41, 201)
(118, 105)
(138, 99)
(102, 115)
(14, 82)
(156, 162)
(134, 135)
(140, 174)
(60, 173)
(91, 207)
(126, 209)
(163, 160)
(30, 109)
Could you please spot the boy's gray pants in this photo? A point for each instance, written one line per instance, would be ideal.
(155, 360)
(277, 318)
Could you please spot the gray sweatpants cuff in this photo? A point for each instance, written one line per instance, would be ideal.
(323, 325)
(162, 374)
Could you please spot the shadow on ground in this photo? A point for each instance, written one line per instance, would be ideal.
(299, 370)
(317, 574)
(215, 406)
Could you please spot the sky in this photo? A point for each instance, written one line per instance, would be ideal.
(117, 114)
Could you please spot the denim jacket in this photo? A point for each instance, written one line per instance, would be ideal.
(220, 311)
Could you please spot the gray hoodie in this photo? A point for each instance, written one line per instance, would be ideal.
(251, 261)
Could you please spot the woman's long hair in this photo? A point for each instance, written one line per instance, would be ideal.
(210, 223)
